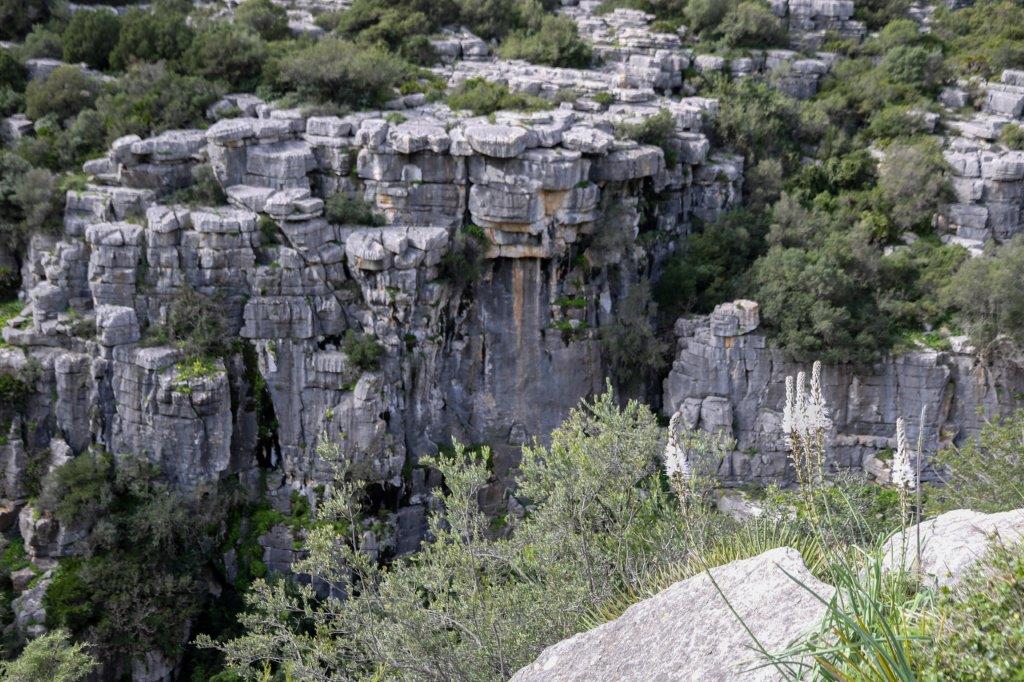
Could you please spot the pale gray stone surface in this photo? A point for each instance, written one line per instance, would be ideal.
(688, 631)
(951, 544)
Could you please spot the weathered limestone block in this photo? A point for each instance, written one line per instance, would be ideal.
(45, 537)
(279, 165)
(182, 424)
(498, 141)
(117, 325)
(689, 631)
(412, 137)
(500, 204)
(587, 140)
(550, 169)
(952, 543)
(628, 164)
(735, 318)
(72, 407)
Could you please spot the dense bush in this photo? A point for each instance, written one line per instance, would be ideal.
(555, 43)
(982, 39)
(977, 628)
(268, 20)
(91, 36)
(336, 70)
(911, 180)
(629, 343)
(18, 16)
(150, 98)
(986, 294)
(482, 97)
(591, 495)
(343, 209)
(707, 268)
(400, 27)
(752, 24)
(160, 34)
(985, 472)
(141, 579)
(223, 51)
(50, 657)
(12, 73)
(464, 261)
(362, 350)
(64, 93)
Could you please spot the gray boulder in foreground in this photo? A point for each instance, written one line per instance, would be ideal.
(952, 543)
(688, 632)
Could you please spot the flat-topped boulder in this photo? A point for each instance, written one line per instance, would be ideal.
(502, 142)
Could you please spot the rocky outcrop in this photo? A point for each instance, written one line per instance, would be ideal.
(726, 377)
(689, 631)
(951, 544)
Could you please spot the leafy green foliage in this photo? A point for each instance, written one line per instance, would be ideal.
(160, 34)
(362, 350)
(12, 73)
(18, 16)
(597, 517)
(343, 209)
(223, 51)
(658, 130)
(141, 579)
(268, 20)
(982, 39)
(984, 473)
(482, 97)
(464, 261)
(1012, 135)
(629, 343)
(555, 43)
(150, 98)
(50, 658)
(977, 628)
(64, 93)
(706, 269)
(985, 293)
(91, 36)
(340, 71)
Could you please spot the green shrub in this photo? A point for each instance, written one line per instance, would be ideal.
(988, 301)
(983, 39)
(149, 98)
(659, 130)
(342, 209)
(985, 472)
(629, 342)
(495, 19)
(18, 16)
(160, 34)
(223, 51)
(911, 178)
(198, 325)
(335, 70)
(362, 350)
(752, 24)
(64, 93)
(264, 17)
(41, 43)
(400, 28)
(1012, 135)
(976, 628)
(67, 599)
(50, 658)
(80, 491)
(464, 261)
(706, 269)
(12, 73)
(91, 36)
(556, 43)
(482, 97)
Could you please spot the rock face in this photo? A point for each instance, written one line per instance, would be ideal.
(725, 377)
(688, 632)
(952, 543)
(478, 283)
